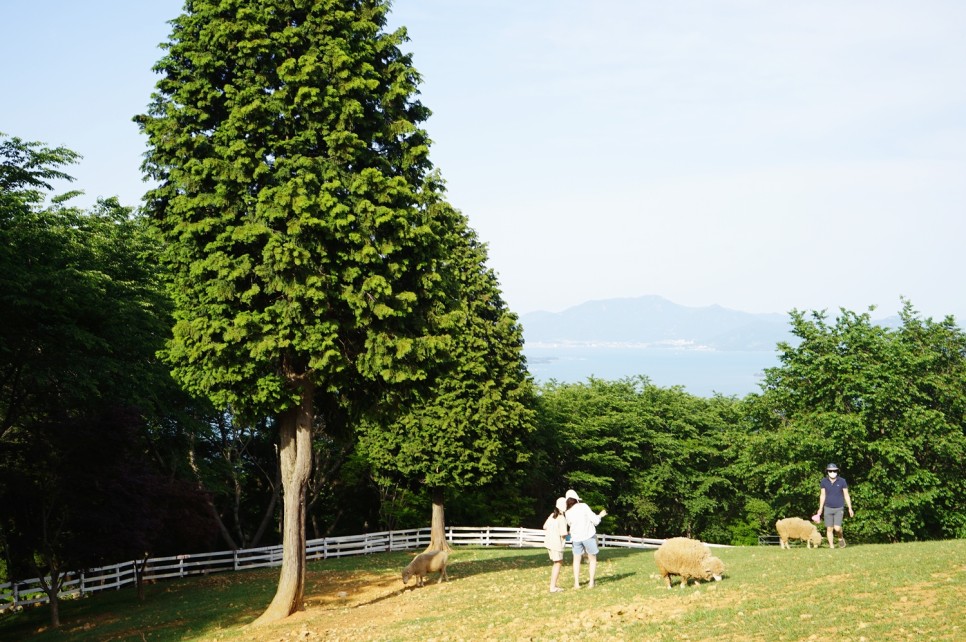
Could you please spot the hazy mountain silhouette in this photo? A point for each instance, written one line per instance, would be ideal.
(657, 322)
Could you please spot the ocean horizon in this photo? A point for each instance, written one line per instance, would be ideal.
(700, 371)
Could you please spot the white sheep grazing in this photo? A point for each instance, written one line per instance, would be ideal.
(424, 564)
(797, 528)
(689, 559)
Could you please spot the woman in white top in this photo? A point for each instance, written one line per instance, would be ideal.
(583, 535)
(555, 533)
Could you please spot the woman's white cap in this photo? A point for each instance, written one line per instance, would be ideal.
(572, 494)
(562, 504)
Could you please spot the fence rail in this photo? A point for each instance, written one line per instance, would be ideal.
(116, 576)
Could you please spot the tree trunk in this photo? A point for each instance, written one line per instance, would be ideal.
(52, 589)
(54, 600)
(437, 532)
(139, 566)
(295, 436)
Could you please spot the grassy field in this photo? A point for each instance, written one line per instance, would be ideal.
(882, 592)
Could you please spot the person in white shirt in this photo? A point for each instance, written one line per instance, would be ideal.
(554, 536)
(583, 535)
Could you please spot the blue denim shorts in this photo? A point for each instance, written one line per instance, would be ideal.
(588, 546)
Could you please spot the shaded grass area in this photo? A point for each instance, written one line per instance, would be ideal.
(880, 592)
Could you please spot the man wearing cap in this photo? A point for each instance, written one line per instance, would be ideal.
(583, 535)
(832, 501)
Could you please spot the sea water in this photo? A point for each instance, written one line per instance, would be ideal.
(699, 372)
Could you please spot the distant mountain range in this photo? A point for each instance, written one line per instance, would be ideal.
(655, 322)
(707, 350)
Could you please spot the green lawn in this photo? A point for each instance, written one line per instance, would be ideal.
(882, 592)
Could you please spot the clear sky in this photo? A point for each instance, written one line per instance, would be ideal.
(755, 154)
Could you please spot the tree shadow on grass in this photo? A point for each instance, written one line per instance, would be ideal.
(201, 606)
(523, 559)
(463, 566)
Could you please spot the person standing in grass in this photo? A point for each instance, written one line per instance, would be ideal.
(583, 535)
(833, 498)
(554, 536)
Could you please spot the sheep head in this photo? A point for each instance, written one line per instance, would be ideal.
(714, 567)
(815, 539)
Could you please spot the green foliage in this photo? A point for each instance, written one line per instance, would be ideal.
(464, 424)
(26, 167)
(83, 315)
(606, 431)
(886, 405)
(286, 142)
(655, 458)
(81, 387)
(83, 311)
(313, 262)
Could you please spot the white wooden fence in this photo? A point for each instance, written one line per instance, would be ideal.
(26, 592)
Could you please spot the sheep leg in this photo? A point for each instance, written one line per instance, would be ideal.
(442, 575)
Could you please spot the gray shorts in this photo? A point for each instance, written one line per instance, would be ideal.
(588, 546)
(833, 516)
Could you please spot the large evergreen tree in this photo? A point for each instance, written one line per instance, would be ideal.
(285, 139)
(464, 425)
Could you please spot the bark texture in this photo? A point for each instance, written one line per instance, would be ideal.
(295, 435)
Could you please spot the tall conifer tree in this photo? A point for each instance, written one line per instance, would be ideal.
(311, 263)
(285, 139)
(464, 424)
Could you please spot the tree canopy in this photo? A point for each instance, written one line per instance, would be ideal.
(80, 384)
(295, 207)
(887, 405)
(465, 424)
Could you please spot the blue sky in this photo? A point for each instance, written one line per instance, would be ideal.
(758, 155)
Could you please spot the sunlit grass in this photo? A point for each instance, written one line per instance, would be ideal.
(882, 592)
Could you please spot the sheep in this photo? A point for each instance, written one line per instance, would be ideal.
(797, 528)
(689, 559)
(424, 564)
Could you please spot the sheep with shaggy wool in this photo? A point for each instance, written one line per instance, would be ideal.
(797, 528)
(424, 564)
(689, 559)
